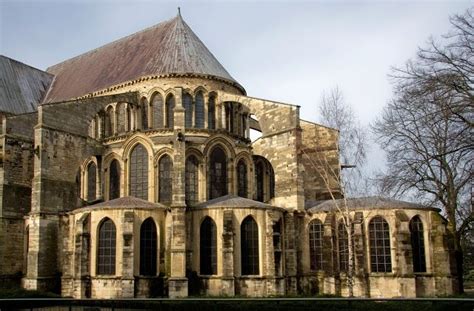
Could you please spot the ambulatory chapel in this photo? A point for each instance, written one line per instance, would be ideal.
(129, 171)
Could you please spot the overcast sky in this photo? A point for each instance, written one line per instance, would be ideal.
(289, 51)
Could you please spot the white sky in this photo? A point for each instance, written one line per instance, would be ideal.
(289, 51)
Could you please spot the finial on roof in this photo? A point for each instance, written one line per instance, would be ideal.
(179, 11)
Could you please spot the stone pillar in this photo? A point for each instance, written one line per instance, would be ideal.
(360, 263)
(178, 283)
(443, 261)
(206, 107)
(128, 280)
(329, 254)
(269, 264)
(228, 287)
(219, 116)
(290, 254)
(82, 258)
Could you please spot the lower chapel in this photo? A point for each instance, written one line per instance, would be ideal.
(128, 171)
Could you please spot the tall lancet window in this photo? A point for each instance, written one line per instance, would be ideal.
(114, 180)
(170, 103)
(208, 247)
(188, 110)
(417, 244)
(199, 110)
(106, 248)
(91, 181)
(316, 244)
(148, 248)
(242, 179)
(249, 247)
(192, 180)
(139, 172)
(211, 113)
(157, 108)
(379, 241)
(218, 173)
(165, 181)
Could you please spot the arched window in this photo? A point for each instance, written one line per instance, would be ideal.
(192, 180)
(199, 110)
(109, 122)
(188, 110)
(170, 103)
(379, 240)
(114, 180)
(208, 247)
(218, 173)
(121, 117)
(144, 110)
(242, 179)
(249, 246)
(260, 177)
(157, 108)
(316, 244)
(165, 180)
(211, 113)
(106, 248)
(343, 247)
(148, 248)
(139, 172)
(91, 182)
(417, 244)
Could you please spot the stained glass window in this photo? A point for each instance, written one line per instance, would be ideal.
(316, 244)
(106, 248)
(379, 240)
(192, 180)
(139, 172)
(199, 110)
(249, 246)
(242, 179)
(165, 194)
(218, 174)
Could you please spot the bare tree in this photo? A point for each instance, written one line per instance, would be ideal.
(331, 178)
(336, 113)
(427, 129)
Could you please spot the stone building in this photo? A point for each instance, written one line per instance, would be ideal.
(128, 171)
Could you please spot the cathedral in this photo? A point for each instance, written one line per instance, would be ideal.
(129, 171)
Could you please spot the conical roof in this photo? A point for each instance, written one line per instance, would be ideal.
(170, 47)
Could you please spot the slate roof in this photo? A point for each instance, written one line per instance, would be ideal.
(170, 47)
(22, 87)
(232, 201)
(128, 202)
(375, 202)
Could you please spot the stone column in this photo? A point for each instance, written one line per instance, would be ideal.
(290, 254)
(360, 263)
(269, 264)
(206, 106)
(82, 258)
(329, 255)
(178, 283)
(228, 279)
(403, 255)
(128, 281)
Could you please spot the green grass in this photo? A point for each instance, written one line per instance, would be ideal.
(23, 293)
